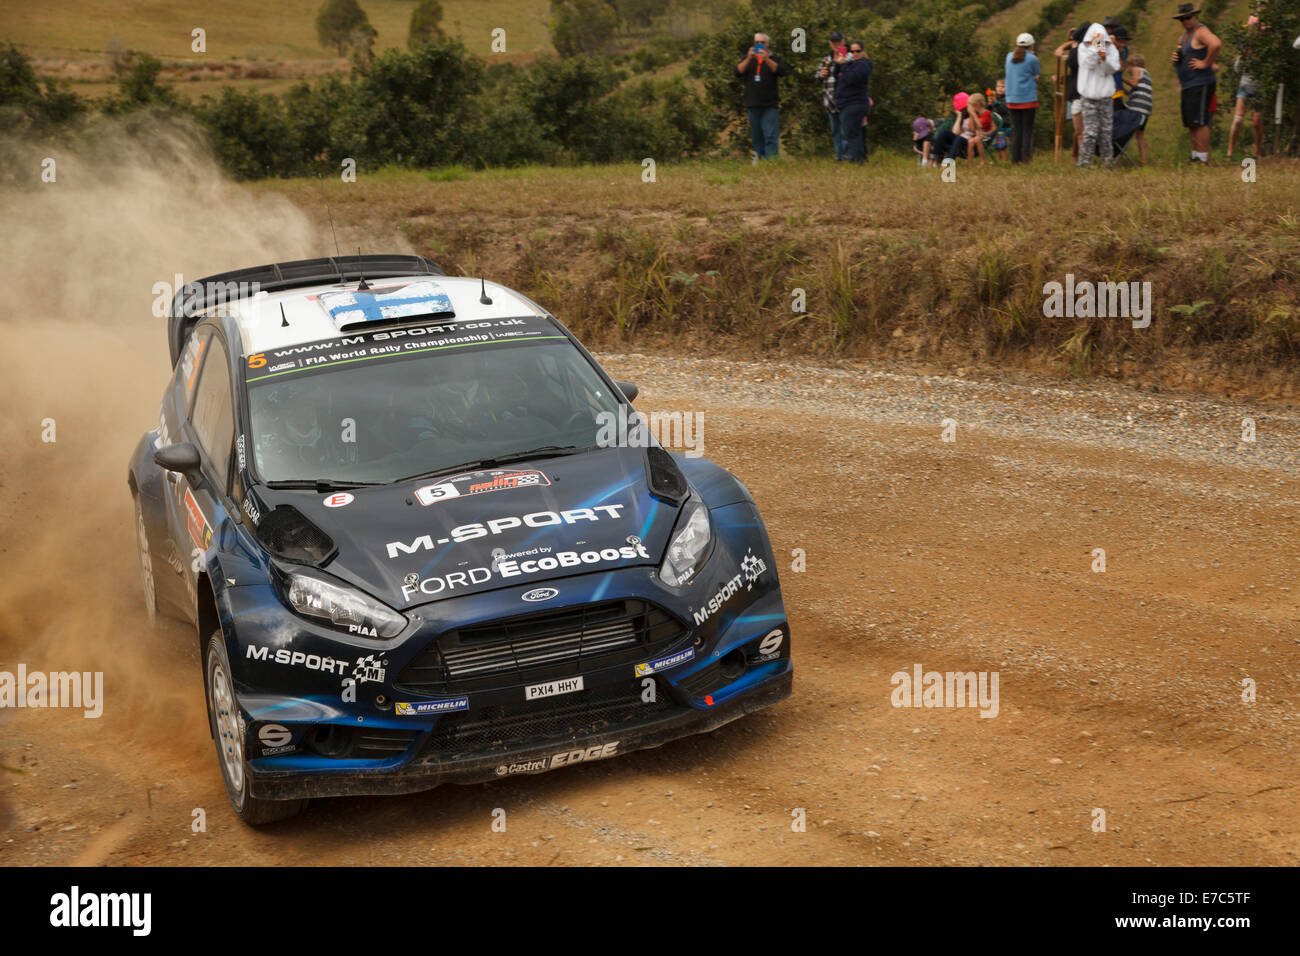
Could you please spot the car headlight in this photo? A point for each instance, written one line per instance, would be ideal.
(689, 546)
(340, 606)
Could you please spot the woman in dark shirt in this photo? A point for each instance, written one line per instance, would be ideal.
(852, 76)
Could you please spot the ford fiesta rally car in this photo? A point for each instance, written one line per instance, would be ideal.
(384, 498)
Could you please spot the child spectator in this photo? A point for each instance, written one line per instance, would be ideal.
(1139, 98)
(948, 129)
(975, 124)
(922, 139)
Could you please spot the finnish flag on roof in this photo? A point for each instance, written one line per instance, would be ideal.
(352, 308)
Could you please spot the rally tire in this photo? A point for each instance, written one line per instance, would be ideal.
(148, 583)
(224, 721)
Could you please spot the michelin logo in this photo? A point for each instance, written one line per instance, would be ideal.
(422, 707)
(664, 663)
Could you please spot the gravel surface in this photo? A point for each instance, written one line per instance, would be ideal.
(1180, 426)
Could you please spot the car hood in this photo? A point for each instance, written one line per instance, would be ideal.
(421, 541)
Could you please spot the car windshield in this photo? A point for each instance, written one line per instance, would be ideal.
(358, 420)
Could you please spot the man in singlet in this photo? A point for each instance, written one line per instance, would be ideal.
(1194, 63)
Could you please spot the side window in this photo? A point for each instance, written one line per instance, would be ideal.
(187, 369)
(213, 416)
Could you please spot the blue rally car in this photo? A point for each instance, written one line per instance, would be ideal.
(388, 501)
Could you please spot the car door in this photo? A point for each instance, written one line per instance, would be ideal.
(202, 501)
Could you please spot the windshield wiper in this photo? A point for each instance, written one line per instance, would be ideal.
(546, 451)
(321, 485)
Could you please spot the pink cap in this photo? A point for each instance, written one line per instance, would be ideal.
(959, 101)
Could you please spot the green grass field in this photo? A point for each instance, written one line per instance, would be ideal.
(282, 30)
(712, 252)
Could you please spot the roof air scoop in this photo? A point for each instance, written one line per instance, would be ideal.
(388, 305)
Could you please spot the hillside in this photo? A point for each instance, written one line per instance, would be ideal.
(246, 29)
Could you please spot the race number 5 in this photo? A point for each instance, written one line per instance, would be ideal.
(257, 361)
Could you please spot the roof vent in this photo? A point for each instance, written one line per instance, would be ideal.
(387, 305)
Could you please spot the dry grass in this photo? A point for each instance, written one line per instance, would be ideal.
(283, 30)
(893, 262)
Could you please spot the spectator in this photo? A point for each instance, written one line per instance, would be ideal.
(1098, 61)
(1070, 51)
(760, 70)
(853, 74)
(1139, 99)
(923, 139)
(1023, 71)
(948, 129)
(1247, 96)
(1119, 36)
(826, 74)
(973, 125)
(1194, 62)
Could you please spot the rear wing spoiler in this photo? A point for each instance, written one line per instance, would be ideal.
(194, 298)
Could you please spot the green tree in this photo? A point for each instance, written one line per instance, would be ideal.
(583, 27)
(426, 24)
(415, 109)
(337, 24)
(138, 85)
(249, 134)
(23, 102)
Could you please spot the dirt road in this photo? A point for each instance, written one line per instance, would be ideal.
(1119, 690)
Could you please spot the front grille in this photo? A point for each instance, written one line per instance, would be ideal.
(548, 644)
(580, 714)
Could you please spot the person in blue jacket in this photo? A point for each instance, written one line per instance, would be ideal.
(1022, 72)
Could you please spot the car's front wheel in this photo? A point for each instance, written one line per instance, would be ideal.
(223, 717)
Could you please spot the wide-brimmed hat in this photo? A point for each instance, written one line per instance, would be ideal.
(1025, 39)
(1186, 10)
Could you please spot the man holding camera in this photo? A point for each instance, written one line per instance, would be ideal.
(826, 76)
(759, 71)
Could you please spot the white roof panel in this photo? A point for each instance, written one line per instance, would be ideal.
(305, 318)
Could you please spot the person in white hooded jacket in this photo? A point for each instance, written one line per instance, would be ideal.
(1098, 61)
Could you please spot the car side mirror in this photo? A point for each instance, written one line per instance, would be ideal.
(182, 458)
(629, 390)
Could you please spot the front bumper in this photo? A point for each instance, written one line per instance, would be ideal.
(431, 769)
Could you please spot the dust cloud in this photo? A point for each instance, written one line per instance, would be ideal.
(84, 360)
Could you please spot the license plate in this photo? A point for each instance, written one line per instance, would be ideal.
(553, 688)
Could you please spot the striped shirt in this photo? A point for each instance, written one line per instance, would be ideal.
(1140, 99)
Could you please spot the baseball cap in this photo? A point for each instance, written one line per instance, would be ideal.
(959, 101)
(1025, 39)
(920, 126)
